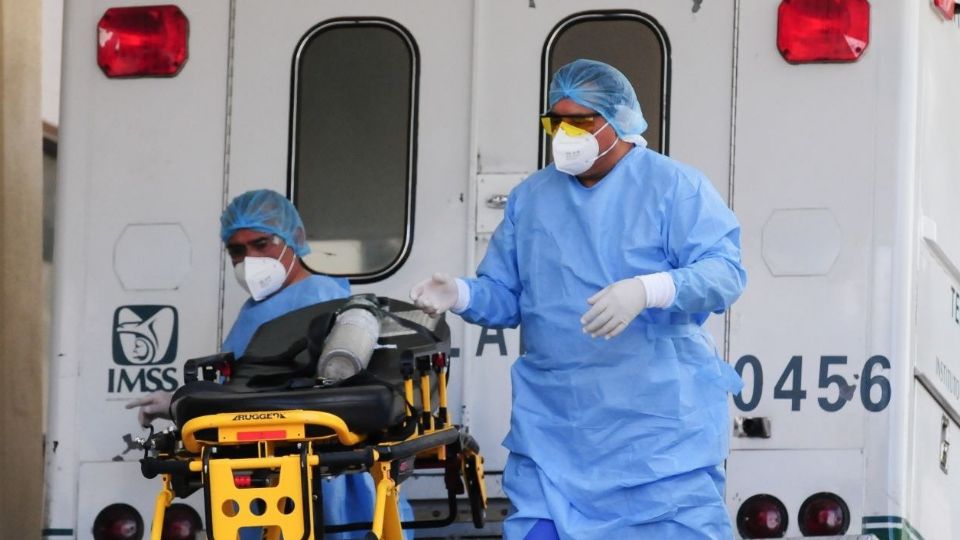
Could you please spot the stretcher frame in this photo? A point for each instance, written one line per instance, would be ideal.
(288, 500)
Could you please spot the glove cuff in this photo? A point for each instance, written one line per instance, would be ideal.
(463, 296)
(661, 290)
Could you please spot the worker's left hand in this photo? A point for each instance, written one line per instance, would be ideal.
(435, 294)
(614, 307)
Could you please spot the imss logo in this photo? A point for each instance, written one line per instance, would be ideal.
(143, 337)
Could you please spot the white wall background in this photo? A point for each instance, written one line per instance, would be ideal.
(52, 30)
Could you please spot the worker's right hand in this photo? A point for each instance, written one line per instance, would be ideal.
(152, 406)
(435, 295)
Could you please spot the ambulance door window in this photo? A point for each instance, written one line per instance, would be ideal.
(632, 42)
(352, 152)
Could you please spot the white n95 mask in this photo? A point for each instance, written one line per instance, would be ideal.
(261, 276)
(575, 154)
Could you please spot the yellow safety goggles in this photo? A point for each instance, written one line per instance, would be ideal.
(571, 125)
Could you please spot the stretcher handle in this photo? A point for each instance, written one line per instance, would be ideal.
(151, 467)
(284, 418)
(350, 458)
(422, 443)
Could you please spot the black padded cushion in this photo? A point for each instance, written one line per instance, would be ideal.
(365, 409)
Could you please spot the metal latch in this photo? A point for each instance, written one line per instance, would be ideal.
(752, 428)
(944, 444)
(497, 202)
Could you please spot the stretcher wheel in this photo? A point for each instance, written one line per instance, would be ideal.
(478, 507)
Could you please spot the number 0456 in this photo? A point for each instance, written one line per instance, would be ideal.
(871, 385)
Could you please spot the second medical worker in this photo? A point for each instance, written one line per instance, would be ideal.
(610, 260)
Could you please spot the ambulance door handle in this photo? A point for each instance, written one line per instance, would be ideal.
(497, 202)
(757, 427)
(944, 444)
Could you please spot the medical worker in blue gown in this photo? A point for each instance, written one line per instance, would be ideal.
(265, 238)
(610, 260)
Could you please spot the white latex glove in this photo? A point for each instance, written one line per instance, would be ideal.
(152, 406)
(614, 307)
(435, 295)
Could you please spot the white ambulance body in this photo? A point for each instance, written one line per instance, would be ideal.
(399, 127)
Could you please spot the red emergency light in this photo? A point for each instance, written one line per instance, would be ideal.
(142, 41)
(947, 8)
(811, 31)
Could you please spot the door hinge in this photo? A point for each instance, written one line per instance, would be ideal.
(944, 444)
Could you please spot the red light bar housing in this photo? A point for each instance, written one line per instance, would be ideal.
(142, 41)
(819, 31)
(947, 8)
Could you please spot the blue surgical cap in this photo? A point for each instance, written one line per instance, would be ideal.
(601, 87)
(267, 211)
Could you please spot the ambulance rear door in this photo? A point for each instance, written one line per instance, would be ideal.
(359, 112)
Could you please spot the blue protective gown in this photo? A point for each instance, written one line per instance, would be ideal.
(619, 438)
(312, 290)
(347, 498)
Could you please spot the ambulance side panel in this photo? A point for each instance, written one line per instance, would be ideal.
(933, 506)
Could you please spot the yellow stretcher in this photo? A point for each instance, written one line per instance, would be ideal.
(257, 438)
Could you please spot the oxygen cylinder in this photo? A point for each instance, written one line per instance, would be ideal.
(351, 341)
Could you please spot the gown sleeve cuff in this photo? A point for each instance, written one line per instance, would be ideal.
(463, 297)
(661, 291)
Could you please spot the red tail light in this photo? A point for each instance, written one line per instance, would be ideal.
(762, 516)
(142, 41)
(181, 522)
(824, 514)
(823, 30)
(118, 522)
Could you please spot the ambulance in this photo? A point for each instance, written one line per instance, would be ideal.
(399, 128)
